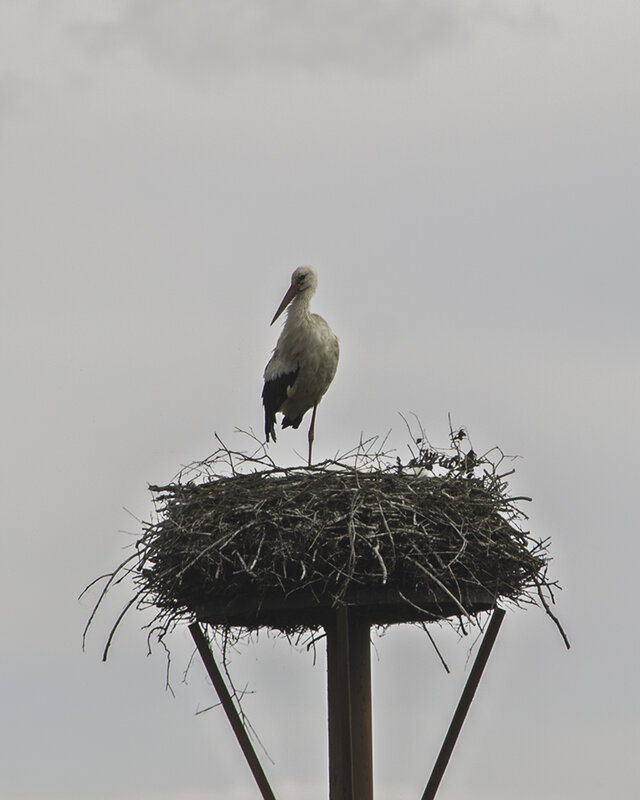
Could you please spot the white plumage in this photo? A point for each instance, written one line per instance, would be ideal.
(304, 361)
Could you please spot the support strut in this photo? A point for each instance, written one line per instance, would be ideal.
(469, 691)
(231, 711)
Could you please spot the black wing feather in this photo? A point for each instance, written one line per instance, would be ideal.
(274, 393)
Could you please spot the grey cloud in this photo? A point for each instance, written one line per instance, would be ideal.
(12, 89)
(197, 36)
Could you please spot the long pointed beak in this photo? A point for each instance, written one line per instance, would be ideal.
(291, 293)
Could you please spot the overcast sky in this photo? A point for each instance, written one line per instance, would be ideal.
(464, 177)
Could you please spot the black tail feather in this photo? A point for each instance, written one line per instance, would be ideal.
(291, 423)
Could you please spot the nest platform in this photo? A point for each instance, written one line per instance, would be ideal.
(285, 548)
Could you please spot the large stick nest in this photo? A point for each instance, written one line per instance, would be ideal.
(240, 542)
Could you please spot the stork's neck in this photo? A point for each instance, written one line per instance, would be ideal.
(298, 310)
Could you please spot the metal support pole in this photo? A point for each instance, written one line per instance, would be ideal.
(349, 701)
(231, 711)
(469, 691)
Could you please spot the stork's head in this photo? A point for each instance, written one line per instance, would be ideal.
(304, 279)
(303, 282)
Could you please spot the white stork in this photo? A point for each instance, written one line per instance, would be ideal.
(304, 361)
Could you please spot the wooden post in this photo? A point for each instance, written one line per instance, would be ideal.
(349, 701)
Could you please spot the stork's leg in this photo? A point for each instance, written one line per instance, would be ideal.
(312, 428)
